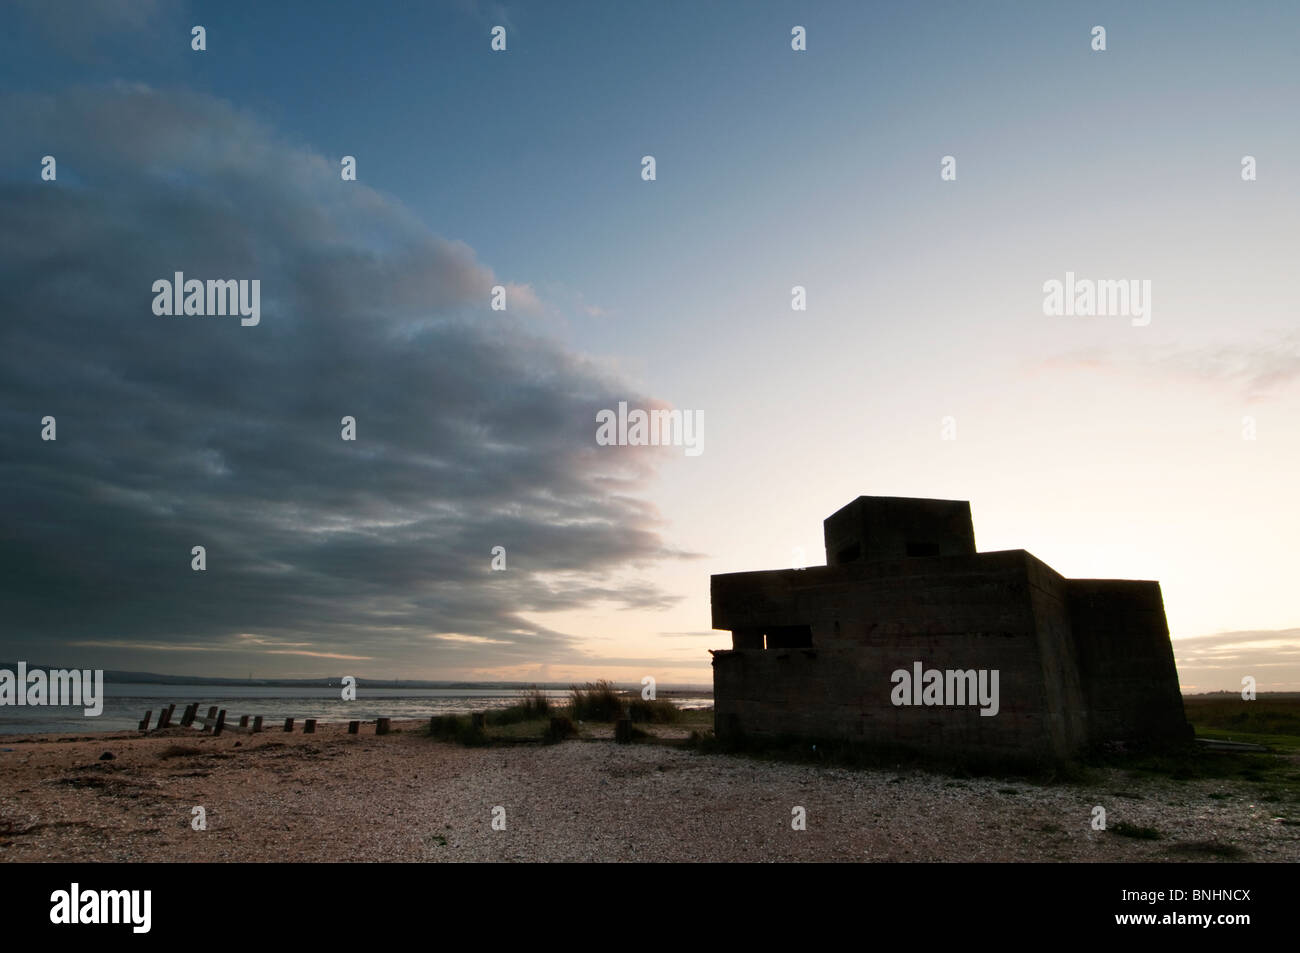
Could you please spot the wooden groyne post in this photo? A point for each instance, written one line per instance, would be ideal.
(623, 731)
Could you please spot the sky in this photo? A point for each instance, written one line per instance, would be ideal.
(924, 364)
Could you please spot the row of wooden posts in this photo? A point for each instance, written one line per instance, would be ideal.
(214, 722)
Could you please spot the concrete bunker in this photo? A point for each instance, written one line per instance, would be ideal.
(1079, 662)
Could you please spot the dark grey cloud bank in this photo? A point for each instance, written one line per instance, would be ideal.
(179, 431)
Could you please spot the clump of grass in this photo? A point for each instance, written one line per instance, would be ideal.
(179, 751)
(443, 726)
(535, 701)
(702, 741)
(512, 715)
(531, 706)
(595, 701)
(658, 711)
(457, 728)
(559, 729)
(1125, 829)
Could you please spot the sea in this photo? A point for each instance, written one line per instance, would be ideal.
(126, 702)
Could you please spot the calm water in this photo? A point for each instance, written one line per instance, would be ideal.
(125, 704)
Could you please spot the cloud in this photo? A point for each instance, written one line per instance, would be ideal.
(182, 431)
(1218, 662)
(1256, 369)
(523, 298)
(81, 28)
(488, 13)
(591, 310)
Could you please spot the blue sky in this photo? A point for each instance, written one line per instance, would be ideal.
(1105, 449)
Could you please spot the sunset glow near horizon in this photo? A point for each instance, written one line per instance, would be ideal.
(1163, 446)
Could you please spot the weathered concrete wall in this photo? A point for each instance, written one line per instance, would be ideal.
(890, 527)
(1126, 661)
(1067, 713)
(869, 619)
(893, 596)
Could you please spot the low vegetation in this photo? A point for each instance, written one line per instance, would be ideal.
(457, 728)
(655, 711)
(1271, 721)
(535, 716)
(595, 701)
(560, 728)
(533, 704)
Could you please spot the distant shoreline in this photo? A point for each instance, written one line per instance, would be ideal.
(117, 676)
(125, 703)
